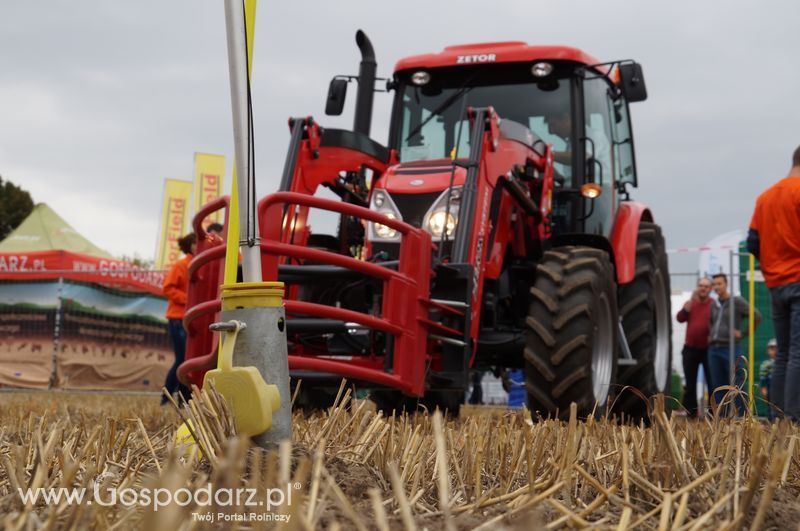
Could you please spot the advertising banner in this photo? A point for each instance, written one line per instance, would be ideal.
(27, 321)
(48, 265)
(111, 340)
(209, 173)
(71, 335)
(175, 221)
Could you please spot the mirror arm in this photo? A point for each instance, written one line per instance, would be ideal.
(622, 189)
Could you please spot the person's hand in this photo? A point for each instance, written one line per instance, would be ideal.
(695, 297)
(737, 334)
(764, 392)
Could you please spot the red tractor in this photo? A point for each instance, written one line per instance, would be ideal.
(494, 231)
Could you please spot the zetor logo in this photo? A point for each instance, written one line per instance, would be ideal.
(477, 58)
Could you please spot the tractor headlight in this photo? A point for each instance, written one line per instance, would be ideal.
(382, 231)
(436, 224)
(421, 78)
(441, 220)
(382, 203)
(542, 69)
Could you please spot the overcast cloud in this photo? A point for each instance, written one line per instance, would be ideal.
(100, 101)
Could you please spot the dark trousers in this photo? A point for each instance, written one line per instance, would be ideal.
(178, 337)
(477, 389)
(693, 358)
(719, 363)
(785, 385)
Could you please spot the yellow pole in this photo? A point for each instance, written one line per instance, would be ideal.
(751, 331)
(232, 249)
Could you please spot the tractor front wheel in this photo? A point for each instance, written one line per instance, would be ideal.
(572, 333)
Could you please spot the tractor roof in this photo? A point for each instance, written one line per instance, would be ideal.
(495, 52)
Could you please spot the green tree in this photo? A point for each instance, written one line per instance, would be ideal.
(138, 261)
(15, 205)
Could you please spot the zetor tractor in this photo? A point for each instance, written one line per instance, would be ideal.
(494, 231)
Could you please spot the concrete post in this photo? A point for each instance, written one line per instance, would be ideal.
(262, 345)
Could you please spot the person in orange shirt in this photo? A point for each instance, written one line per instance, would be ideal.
(175, 287)
(774, 238)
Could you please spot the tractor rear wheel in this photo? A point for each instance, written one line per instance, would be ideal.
(571, 339)
(644, 306)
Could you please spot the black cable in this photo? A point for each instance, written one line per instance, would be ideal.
(250, 190)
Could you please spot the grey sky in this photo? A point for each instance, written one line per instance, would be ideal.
(100, 101)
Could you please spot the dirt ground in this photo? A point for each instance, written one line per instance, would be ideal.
(351, 468)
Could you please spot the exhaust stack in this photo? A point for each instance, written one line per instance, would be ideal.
(366, 84)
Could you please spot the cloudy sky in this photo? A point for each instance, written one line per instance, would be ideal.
(101, 100)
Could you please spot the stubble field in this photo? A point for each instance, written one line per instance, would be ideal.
(351, 468)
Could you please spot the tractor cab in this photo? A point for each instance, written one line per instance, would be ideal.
(556, 96)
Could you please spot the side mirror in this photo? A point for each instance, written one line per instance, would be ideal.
(337, 91)
(632, 82)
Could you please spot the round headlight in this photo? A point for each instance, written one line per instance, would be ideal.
(420, 78)
(436, 224)
(541, 69)
(378, 200)
(382, 231)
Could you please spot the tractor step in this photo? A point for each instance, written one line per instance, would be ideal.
(321, 273)
(321, 326)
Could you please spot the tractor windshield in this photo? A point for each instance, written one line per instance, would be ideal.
(431, 119)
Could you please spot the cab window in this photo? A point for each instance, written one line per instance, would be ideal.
(597, 129)
(623, 142)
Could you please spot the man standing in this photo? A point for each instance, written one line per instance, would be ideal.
(720, 338)
(696, 312)
(774, 239)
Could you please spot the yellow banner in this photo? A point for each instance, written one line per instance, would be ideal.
(209, 173)
(175, 221)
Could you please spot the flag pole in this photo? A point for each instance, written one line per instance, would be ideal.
(239, 38)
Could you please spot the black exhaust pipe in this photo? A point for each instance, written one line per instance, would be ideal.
(366, 84)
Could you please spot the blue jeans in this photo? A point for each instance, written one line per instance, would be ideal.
(178, 337)
(785, 386)
(719, 364)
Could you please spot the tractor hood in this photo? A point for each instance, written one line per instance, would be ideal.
(417, 193)
(423, 177)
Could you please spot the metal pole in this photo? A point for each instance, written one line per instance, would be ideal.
(57, 332)
(245, 186)
(731, 323)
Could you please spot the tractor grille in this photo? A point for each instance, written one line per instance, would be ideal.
(414, 206)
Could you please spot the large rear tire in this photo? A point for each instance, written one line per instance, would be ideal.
(571, 339)
(644, 306)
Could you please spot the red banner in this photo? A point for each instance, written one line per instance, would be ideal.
(54, 264)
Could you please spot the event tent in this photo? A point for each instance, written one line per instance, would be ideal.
(45, 246)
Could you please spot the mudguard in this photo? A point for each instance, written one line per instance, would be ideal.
(623, 237)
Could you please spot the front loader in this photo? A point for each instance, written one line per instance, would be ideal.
(494, 231)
